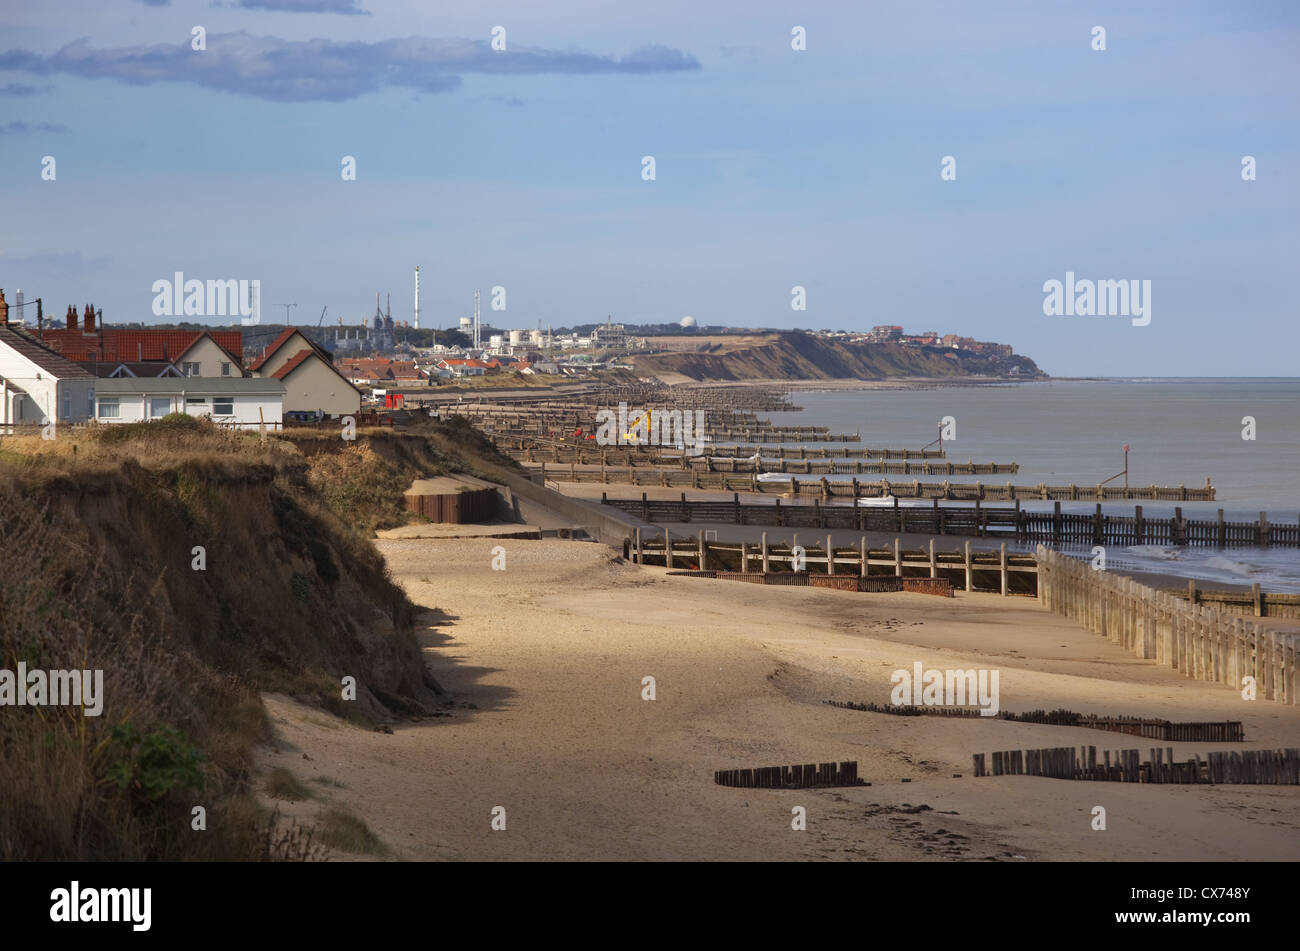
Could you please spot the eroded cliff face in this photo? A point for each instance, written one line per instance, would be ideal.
(798, 356)
(195, 586)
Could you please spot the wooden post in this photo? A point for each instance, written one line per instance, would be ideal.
(1056, 528)
(1140, 525)
(970, 574)
(1263, 529)
(830, 556)
(700, 536)
(1221, 534)
(744, 557)
(640, 560)
(668, 549)
(766, 565)
(898, 556)
(1256, 600)
(934, 566)
(862, 555)
(1003, 550)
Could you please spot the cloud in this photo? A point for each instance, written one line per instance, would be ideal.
(300, 6)
(21, 89)
(280, 70)
(22, 128)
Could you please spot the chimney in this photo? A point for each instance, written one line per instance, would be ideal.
(72, 317)
(4, 309)
(88, 320)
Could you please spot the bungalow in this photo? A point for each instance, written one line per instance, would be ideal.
(243, 402)
(463, 367)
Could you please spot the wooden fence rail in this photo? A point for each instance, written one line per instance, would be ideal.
(1202, 642)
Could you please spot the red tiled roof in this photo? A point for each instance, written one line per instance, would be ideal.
(281, 340)
(114, 345)
(301, 357)
(294, 362)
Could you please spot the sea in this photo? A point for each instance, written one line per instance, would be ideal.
(1179, 432)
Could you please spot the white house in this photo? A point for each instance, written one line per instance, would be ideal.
(244, 402)
(38, 386)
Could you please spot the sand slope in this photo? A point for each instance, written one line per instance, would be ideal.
(551, 654)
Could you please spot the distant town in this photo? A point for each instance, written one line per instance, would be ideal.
(82, 367)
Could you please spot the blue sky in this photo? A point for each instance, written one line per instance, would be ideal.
(775, 168)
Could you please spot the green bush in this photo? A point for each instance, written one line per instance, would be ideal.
(153, 764)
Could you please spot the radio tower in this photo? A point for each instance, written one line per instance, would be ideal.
(417, 297)
(477, 337)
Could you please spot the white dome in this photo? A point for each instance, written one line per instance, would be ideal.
(688, 321)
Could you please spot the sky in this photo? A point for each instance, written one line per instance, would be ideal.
(774, 167)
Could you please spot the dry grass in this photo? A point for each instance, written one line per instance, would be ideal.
(344, 831)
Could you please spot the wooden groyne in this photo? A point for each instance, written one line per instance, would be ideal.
(826, 490)
(1152, 729)
(1011, 523)
(1202, 642)
(711, 434)
(568, 443)
(1246, 767)
(810, 776)
(997, 571)
(612, 465)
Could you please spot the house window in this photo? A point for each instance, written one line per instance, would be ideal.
(109, 407)
(159, 406)
(223, 406)
(67, 406)
(225, 369)
(190, 369)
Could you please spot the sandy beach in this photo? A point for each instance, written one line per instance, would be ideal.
(543, 664)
